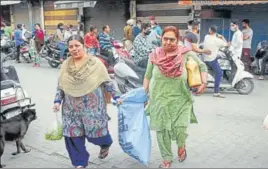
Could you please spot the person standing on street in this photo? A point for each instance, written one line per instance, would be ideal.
(39, 41)
(82, 82)
(156, 29)
(137, 29)
(247, 37)
(214, 42)
(128, 34)
(91, 42)
(171, 104)
(106, 45)
(237, 40)
(18, 41)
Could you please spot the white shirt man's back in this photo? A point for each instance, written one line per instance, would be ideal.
(237, 43)
(213, 43)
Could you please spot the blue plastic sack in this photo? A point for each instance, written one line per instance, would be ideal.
(134, 132)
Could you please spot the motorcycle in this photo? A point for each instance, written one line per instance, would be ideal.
(14, 99)
(234, 75)
(262, 50)
(129, 75)
(8, 47)
(51, 53)
(118, 51)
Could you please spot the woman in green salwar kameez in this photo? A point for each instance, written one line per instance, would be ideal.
(170, 101)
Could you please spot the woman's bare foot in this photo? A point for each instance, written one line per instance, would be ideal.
(182, 154)
(165, 164)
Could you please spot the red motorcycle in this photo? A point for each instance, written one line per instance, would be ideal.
(118, 51)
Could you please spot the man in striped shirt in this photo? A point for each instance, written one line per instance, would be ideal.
(106, 45)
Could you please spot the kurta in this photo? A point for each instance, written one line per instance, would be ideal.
(171, 103)
(86, 115)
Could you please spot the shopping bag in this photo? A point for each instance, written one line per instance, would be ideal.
(55, 131)
(134, 132)
(265, 123)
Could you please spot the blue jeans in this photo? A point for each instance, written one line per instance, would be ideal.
(92, 51)
(214, 65)
(62, 47)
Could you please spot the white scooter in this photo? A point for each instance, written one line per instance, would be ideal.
(234, 75)
(14, 99)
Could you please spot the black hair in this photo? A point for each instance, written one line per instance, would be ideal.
(71, 26)
(104, 27)
(213, 28)
(19, 26)
(235, 21)
(139, 21)
(59, 25)
(246, 21)
(145, 26)
(91, 29)
(76, 37)
(190, 22)
(38, 24)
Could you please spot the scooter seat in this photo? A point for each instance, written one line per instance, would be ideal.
(132, 65)
(7, 84)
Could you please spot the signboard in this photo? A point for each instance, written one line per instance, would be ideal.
(74, 4)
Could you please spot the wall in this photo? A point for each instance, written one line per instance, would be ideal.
(166, 12)
(53, 17)
(21, 14)
(113, 12)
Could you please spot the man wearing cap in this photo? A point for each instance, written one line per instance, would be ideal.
(191, 39)
(214, 42)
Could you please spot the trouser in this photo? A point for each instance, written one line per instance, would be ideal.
(109, 54)
(18, 53)
(246, 58)
(165, 137)
(62, 48)
(214, 65)
(38, 45)
(263, 64)
(77, 149)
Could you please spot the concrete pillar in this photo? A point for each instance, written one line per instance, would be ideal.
(42, 14)
(133, 9)
(30, 9)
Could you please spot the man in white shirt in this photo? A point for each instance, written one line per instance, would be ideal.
(237, 40)
(214, 42)
(247, 37)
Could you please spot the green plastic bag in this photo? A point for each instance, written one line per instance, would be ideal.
(55, 131)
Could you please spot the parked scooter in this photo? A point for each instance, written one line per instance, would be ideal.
(129, 75)
(14, 99)
(8, 47)
(262, 51)
(234, 75)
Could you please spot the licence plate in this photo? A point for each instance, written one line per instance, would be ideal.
(12, 114)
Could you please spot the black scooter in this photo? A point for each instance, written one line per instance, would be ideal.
(261, 53)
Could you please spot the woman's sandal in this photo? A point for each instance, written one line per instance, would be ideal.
(182, 154)
(80, 166)
(104, 152)
(165, 164)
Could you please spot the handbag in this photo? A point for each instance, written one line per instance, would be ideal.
(193, 73)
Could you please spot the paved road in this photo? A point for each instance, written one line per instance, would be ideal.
(229, 133)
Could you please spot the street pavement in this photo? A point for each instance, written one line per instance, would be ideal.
(229, 133)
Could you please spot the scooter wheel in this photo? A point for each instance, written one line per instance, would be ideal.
(245, 86)
(53, 64)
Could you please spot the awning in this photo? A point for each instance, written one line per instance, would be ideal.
(9, 2)
(218, 2)
(74, 4)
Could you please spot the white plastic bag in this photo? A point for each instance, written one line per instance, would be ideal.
(55, 131)
(265, 123)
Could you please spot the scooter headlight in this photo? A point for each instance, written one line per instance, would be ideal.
(20, 94)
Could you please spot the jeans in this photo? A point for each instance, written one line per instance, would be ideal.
(109, 54)
(92, 51)
(214, 65)
(62, 48)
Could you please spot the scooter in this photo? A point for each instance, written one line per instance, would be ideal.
(129, 75)
(262, 50)
(234, 75)
(14, 99)
(8, 47)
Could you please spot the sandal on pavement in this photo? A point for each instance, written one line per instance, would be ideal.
(261, 78)
(79, 166)
(182, 154)
(165, 164)
(104, 152)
